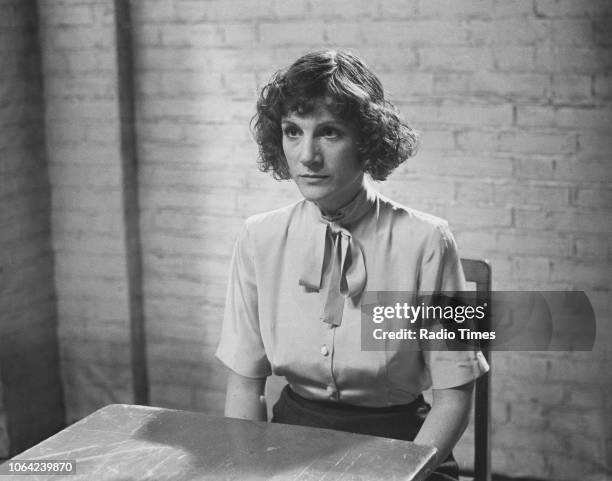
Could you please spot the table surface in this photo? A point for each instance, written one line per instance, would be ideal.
(123, 442)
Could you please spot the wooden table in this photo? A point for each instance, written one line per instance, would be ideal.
(136, 443)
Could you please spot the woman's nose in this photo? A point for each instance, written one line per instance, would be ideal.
(309, 153)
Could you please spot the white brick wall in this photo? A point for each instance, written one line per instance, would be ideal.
(513, 100)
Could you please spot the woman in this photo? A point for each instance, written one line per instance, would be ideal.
(299, 273)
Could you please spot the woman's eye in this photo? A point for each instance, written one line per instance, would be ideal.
(330, 133)
(291, 132)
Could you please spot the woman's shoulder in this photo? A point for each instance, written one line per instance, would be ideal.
(415, 221)
(273, 218)
(271, 226)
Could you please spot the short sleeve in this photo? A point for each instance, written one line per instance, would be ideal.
(441, 271)
(241, 347)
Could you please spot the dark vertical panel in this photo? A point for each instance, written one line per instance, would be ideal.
(131, 204)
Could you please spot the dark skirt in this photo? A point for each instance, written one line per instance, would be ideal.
(397, 422)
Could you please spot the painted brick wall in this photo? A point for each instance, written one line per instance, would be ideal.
(87, 168)
(30, 390)
(513, 102)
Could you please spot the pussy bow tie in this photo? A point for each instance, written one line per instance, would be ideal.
(332, 244)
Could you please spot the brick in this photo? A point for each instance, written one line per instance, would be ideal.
(106, 266)
(539, 439)
(479, 216)
(514, 58)
(571, 32)
(601, 32)
(212, 402)
(594, 198)
(69, 15)
(259, 59)
(437, 140)
(168, 243)
(585, 369)
(95, 109)
(205, 108)
(564, 170)
(532, 415)
(584, 118)
(458, 113)
(456, 58)
(391, 9)
(595, 144)
(564, 221)
(592, 248)
(574, 421)
(509, 84)
(344, 9)
(189, 35)
(85, 86)
(459, 166)
(472, 239)
(468, 8)
(512, 9)
(419, 188)
(387, 59)
(519, 462)
(475, 140)
(533, 243)
(419, 32)
(479, 192)
(572, 8)
(537, 142)
(219, 10)
(508, 31)
(586, 397)
(452, 82)
(533, 269)
(301, 33)
(155, 11)
(398, 84)
(289, 10)
(106, 354)
(174, 59)
(238, 33)
(213, 176)
(582, 274)
(532, 195)
(571, 87)
(186, 84)
(78, 61)
(80, 37)
(602, 86)
(571, 59)
(172, 351)
(345, 33)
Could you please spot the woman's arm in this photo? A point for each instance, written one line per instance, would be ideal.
(447, 419)
(244, 398)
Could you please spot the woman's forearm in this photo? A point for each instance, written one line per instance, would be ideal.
(244, 398)
(447, 419)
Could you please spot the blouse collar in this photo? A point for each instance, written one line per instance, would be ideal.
(351, 212)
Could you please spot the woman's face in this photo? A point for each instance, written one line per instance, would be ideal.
(321, 152)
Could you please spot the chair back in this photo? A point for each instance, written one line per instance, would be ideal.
(479, 272)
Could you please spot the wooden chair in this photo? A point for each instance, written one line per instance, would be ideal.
(479, 272)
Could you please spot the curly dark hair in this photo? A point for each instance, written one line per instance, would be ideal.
(356, 97)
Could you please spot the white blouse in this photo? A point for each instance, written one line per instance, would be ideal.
(284, 316)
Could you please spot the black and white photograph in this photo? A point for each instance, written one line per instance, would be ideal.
(306, 239)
